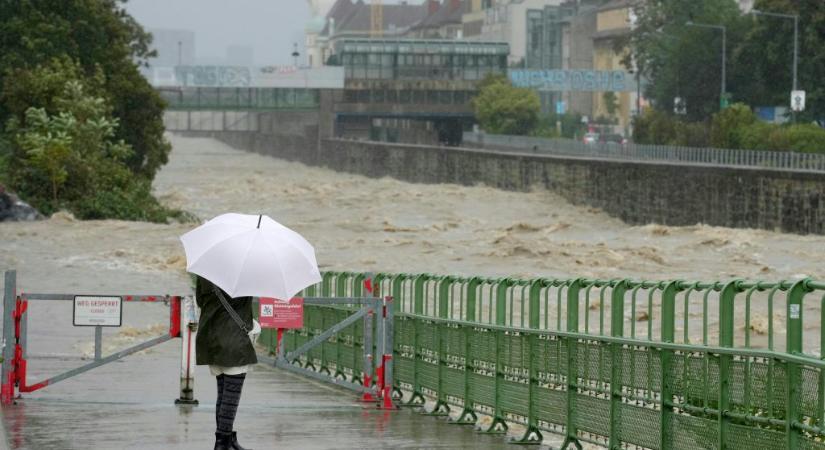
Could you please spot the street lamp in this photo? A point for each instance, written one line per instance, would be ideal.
(295, 53)
(724, 52)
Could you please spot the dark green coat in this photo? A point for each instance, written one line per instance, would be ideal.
(220, 341)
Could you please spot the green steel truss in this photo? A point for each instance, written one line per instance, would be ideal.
(616, 363)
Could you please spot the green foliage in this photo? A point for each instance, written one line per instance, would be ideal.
(67, 155)
(611, 103)
(107, 45)
(806, 138)
(729, 124)
(766, 57)
(501, 108)
(684, 61)
(571, 126)
(734, 127)
(656, 127)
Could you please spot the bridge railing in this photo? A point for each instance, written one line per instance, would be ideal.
(643, 152)
(617, 363)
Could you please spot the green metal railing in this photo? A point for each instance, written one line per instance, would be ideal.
(617, 363)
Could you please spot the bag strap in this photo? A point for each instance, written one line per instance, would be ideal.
(230, 309)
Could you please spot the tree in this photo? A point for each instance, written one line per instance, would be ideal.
(684, 61)
(68, 155)
(766, 54)
(501, 108)
(102, 38)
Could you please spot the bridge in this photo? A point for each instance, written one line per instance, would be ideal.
(393, 90)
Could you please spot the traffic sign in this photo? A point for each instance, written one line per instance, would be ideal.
(560, 107)
(724, 101)
(679, 106)
(797, 101)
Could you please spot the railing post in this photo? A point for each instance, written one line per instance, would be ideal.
(184, 323)
(727, 297)
(501, 301)
(666, 382)
(9, 299)
(534, 307)
(418, 300)
(616, 330)
(472, 299)
(794, 347)
(571, 430)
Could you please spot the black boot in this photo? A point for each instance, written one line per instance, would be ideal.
(223, 441)
(235, 445)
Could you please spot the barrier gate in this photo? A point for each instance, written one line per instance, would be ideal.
(321, 333)
(375, 314)
(182, 323)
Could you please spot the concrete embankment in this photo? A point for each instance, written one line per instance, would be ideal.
(637, 192)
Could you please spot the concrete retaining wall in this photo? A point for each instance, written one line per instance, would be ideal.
(636, 192)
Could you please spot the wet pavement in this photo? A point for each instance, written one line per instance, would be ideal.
(129, 404)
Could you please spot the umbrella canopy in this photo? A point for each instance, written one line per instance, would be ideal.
(251, 255)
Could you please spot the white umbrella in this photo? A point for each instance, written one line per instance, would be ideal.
(251, 255)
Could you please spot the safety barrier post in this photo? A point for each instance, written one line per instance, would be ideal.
(386, 358)
(369, 348)
(794, 347)
(616, 330)
(9, 304)
(368, 352)
(183, 323)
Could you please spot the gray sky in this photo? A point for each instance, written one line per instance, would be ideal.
(269, 26)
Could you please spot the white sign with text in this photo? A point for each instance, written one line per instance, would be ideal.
(95, 311)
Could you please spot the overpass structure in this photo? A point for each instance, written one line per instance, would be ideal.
(393, 90)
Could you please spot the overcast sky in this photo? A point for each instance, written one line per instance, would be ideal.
(269, 26)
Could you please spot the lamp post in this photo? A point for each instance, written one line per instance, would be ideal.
(795, 18)
(295, 54)
(724, 52)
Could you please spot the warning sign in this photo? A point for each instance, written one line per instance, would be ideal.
(97, 311)
(278, 314)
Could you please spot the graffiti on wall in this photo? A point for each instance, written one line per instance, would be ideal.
(574, 80)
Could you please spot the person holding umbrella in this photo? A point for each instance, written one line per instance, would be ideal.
(237, 257)
(225, 347)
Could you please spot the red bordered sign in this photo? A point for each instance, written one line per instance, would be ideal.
(275, 313)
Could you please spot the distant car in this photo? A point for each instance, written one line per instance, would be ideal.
(591, 138)
(613, 138)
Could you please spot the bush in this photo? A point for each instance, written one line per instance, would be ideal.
(654, 127)
(806, 138)
(728, 125)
